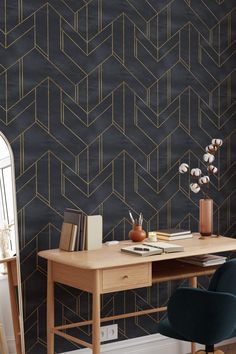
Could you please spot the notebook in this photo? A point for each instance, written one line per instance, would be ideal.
(173, 232)
(152, 248)
(204, 260)
(68, 236)
(165, 246)
(94, 230)
(171, 238)
(149, 251)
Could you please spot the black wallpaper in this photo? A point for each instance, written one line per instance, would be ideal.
(101, 101)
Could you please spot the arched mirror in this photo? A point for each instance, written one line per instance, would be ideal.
(11, 315)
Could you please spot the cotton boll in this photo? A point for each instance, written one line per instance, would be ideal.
(212, 169)
(195, 187)
(217, 142)
(204, 180)
(196, 172)
(211, 149)
(183, 168)
(208, 158)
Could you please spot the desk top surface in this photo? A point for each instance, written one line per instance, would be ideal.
(111, 256)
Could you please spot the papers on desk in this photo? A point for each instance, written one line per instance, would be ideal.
(173, 238)
(142, 250)
(165, 246)
(171, 234)
(149, 249)
(205, 260)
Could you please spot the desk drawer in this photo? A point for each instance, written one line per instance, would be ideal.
(128, 277)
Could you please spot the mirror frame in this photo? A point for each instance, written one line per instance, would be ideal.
(20, 302)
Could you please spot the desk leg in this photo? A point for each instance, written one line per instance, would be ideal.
(14, 308)
(193, 284)
(50, 310)
(96, 315)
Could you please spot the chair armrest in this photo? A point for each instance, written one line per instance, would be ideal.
(202, 316)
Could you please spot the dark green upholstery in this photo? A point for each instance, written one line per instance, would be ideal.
(224, 279)
(167, 330)
(204, 316)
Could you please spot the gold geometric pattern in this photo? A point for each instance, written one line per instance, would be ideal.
(101, 101)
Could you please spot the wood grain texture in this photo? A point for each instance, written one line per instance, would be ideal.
(193, 284)
(115, 278)
(50, 310)
(108, 257)
(11, 270)
(128, 277)
(96, 314)
(228, 349)
(114, 318)
(217, 351)
(65, 274)
(175, 270)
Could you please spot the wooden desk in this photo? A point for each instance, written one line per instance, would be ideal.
(108, 270)
(13, 284)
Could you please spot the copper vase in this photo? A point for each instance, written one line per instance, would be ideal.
(206, 217)
(137, 234)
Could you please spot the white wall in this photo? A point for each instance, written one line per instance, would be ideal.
(5, 314)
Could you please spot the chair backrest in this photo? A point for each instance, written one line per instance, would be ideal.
(224, 279)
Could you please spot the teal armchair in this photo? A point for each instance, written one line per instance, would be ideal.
(204, 316)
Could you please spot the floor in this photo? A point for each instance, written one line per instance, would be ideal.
(229, 349)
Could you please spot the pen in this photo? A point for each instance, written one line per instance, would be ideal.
(140, 249)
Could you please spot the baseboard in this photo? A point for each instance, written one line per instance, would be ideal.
(11, 345)
(152, 344)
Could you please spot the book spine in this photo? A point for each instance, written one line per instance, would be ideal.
(73, 237)
(84, 233)
(81, 233)
(77, 240)
(67, 236)
(161, 237)
(74, 217)
(174, 234)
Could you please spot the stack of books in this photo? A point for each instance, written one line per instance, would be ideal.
(173, 234)
(205, 260)
(152, 248)
(80, 232)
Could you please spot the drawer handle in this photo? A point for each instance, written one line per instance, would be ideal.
(125, 277)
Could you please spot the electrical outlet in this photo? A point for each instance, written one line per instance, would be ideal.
(109, 332)
(103, 333)
(112, 332)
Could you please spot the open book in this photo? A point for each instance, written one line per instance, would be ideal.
(142, 250)
(165, 246)
(152, 248)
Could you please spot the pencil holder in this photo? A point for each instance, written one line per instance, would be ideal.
(137, 234)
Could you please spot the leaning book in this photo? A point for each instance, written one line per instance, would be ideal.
(75, 217)
(68, 236)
